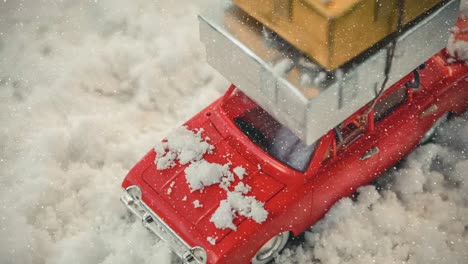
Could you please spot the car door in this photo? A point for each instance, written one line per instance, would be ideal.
(392, 130)
(400, 120)
(367, 143)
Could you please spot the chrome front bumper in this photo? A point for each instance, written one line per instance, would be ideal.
(131, 197)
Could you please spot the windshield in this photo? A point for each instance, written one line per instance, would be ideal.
(267, 133)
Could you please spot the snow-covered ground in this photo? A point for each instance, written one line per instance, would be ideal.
(88, 87)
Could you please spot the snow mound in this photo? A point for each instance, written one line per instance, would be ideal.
(242, 188)
(202, 173)
(238, 204)
(458, 48)
(85, 88)
(182, 145)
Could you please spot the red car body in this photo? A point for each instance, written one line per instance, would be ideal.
(295, 200)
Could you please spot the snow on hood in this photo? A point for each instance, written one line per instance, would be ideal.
(235, 204)
(181, 145)
(215, 180)
(201, 174)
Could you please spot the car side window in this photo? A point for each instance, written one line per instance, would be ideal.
(350, 131)
(388, 104)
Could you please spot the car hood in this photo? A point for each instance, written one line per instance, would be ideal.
(172, 186)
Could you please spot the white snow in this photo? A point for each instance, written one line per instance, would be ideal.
(242, 188)
(202, 173)
(182, 145)
(87, 87)
(235, 204)
(212, 240)
(458, 48)
(240, 172)
(197, 204)
(223, 216)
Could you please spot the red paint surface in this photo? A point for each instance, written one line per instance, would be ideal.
(294, 200)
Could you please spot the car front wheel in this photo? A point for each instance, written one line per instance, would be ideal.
(268, 251)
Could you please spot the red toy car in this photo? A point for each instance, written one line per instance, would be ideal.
(233, 184)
